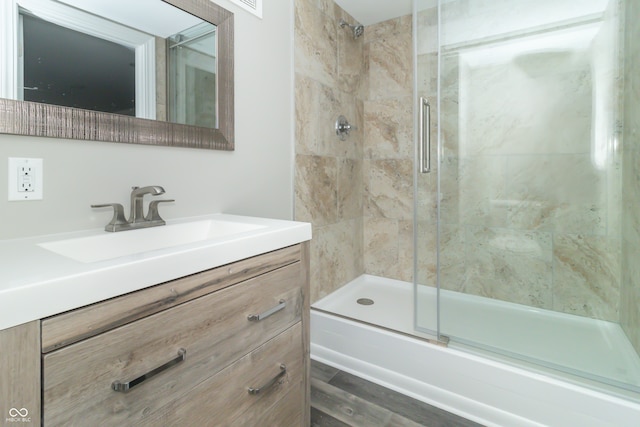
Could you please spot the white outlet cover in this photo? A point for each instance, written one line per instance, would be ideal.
(36, 165)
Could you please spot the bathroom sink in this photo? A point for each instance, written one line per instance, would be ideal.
(78, 268)
(106, 246)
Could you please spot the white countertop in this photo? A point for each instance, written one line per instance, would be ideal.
(36, 283)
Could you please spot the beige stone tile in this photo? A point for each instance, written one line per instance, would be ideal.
(359, 133)
(426, 252)
(630, 217)
(316, 189)
(388, 248)
(427, 200)
(453, 258)
(334, 103)
(381, 240)
(561, 193)
(351, 64)
(306, 106)
(315, 45)
(363, 88)
(451, 117)
(630, 275)
(317, 109)
(509, 265)
(389, 129)
(391, 64)
(631, 81)
(388, 28)
(514, 122)
(586, 276)
(350, 189)
(631, 198)
(474, 191)
(427, 76)
(336, 256)
(388, 188)
(405, 251)
(615, 195)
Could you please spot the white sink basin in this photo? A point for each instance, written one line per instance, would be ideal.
(44, 275)
(108, 246)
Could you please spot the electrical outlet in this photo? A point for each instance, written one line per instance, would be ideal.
(25, 179)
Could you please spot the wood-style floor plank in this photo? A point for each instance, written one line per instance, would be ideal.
(341, 399)
(320, 419)
(351, 409)
(323, 372)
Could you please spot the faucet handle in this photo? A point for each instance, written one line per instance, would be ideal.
(153, 214)
(118, 215)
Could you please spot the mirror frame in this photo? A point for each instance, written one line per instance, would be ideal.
(53, 121)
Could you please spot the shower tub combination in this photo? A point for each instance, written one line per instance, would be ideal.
(534, 185)
(378, 342)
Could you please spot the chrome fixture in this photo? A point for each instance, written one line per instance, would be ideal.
(137, 206)
(275, 380)
(357, 30)
(343, 127)
(425, 136)
(257, 317)
(124, 387)
(137, 219)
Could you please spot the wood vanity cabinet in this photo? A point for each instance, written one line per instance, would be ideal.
(228, 346)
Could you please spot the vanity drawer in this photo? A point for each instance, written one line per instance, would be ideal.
(224, 399)
(73, 326)
(213, 329)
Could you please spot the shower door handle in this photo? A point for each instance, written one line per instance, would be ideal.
(425, 136)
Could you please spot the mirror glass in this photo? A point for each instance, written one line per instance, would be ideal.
(158, 60)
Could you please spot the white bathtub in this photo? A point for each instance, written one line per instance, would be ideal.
(491, 392)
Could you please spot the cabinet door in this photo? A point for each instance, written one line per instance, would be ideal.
(214, 330)
(20, 375)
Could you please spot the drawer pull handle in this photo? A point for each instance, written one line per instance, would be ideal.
(125, 387)
(274, 380)
(256, 317)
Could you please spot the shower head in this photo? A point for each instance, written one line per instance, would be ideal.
(357, 30)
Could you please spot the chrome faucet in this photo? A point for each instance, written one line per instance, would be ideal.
(137, 218)
(137, 196)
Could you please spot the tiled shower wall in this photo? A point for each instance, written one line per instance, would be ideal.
(329, 81)
(549, 240)
(630, 289)
(389, 150)
(357, 193)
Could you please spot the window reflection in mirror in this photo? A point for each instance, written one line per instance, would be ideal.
(56, 71)
(76, 71)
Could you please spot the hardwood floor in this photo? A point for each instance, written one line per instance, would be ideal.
(339, 399)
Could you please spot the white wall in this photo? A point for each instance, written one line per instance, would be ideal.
(255, 179)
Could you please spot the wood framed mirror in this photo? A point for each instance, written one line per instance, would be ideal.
(20, 117)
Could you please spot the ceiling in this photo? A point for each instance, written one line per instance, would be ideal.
(369, 12)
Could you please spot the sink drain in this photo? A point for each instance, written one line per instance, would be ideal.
(364, 301)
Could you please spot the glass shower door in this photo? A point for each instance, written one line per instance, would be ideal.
(426, 291)
(528, 173)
